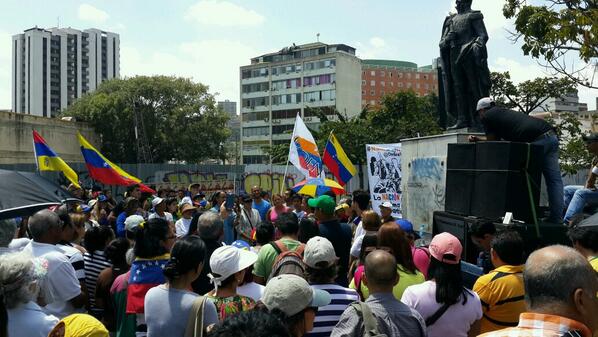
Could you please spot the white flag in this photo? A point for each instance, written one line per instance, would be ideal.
(303, 151)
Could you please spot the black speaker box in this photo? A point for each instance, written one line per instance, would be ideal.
(487, 179)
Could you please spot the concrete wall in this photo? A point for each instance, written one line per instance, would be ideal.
(16, 140)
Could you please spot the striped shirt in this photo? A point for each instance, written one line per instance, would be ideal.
(329, 315)
(75, 258)
(94, 264)
(541, 325)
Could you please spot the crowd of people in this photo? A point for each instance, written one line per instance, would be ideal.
(179, 264)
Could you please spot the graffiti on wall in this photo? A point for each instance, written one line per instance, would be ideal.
(426, 183)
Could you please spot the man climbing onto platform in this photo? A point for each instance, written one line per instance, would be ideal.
(504, 124)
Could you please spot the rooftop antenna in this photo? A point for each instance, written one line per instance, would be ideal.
(58, 22)
(318, 37)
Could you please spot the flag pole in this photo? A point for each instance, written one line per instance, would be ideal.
(324, 153)
(286, 168)
(35, 152)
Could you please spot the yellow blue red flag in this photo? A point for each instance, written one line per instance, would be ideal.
(47, 160)
(338, 162)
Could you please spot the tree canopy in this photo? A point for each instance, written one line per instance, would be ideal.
(529, 95)
(562, 32)
(179, 118)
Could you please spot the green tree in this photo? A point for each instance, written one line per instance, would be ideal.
(562, 32)
(573, 154)
(179, 117)
(529, 95)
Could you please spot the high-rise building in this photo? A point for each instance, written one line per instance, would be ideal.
(276, 87)
(383, 77)
(53, 67)
(567, 103)
(229, 107)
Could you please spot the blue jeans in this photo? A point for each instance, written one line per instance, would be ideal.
(578, 197)
(552, 175)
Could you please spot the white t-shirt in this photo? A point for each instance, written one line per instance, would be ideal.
(252, 290)
(167, 216)
(359, 231)
(182, 227)
(29, 320)
(60, 283)
(457, 319)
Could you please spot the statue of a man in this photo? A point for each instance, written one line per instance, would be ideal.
(464, 63)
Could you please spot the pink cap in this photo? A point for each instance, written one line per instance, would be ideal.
(445, 244)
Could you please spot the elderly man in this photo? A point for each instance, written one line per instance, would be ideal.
(61, 291)
(560, 293)
(393, 318)
(210, 229)
(513, 126)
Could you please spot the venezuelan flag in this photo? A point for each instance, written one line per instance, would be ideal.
(337, 161)
(47, 160)
(103, 170)
(145, 274)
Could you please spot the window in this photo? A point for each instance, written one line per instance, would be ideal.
(256, 116)
(282, 129)
(400, 75)
(373, 73)
(427, 86)
(390, 74)
(363, 82)
(382, 73)
(417, 76)
(372, 92)
(316, 96)
(392, 84)
(255, 160)
(253, 102)
(400, 84)
(409, 75)
(372, 83)
(425, 77)
(256, 87)
(362, 92)
(251, 73)
(383, 84)
(318, 80)
(256, 131)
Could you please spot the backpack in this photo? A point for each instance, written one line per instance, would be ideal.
(287, 261)
(370, 324)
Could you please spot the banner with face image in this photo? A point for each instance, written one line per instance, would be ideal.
(384, 175)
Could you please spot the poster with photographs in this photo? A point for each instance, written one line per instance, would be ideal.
(384, 174)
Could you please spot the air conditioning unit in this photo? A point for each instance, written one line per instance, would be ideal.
(308, 119)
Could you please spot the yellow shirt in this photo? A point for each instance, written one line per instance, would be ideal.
(502, 294)
(406, 279)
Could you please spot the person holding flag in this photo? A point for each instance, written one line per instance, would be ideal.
(47, 160)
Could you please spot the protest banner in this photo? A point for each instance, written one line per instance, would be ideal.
(384, 175)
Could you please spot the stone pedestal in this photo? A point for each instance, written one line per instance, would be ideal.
(423, 165)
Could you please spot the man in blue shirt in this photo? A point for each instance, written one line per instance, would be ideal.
(260, 204)
(339, 234)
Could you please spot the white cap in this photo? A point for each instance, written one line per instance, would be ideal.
(228, 260)
(133, 221)
(185, 200)
(92, 202)
(386, 204)
(318, 250)
(484, 103)
(290, 294)
(156, 201)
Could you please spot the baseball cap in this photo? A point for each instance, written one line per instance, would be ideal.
(291, 293)
(133, 221)
(92, 203)
(318, 250)
(591, 138)
(323, 202)
(241, 245)
(185, 200)
(446, 248)
(407, 227)
(484, 103)
(246, 198)
(156, 201)
(341, 206)
(228, 260)
(85, 208)
(102, 197)
(386, 204)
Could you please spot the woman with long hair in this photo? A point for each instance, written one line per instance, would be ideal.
(168, 306)
(95, 242)
(278, 207)
(153, 241)
(390, 236)
(443, 301)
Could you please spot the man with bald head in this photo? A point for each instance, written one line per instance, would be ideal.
(393, 318)
(560, 294)
(60, 289)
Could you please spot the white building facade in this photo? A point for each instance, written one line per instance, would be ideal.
(51, 68)
(278, 86)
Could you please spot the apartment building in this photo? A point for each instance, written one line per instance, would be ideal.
(383, 77)
(276, 87)
(53, 67)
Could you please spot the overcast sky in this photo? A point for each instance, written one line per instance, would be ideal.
(208, 40)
